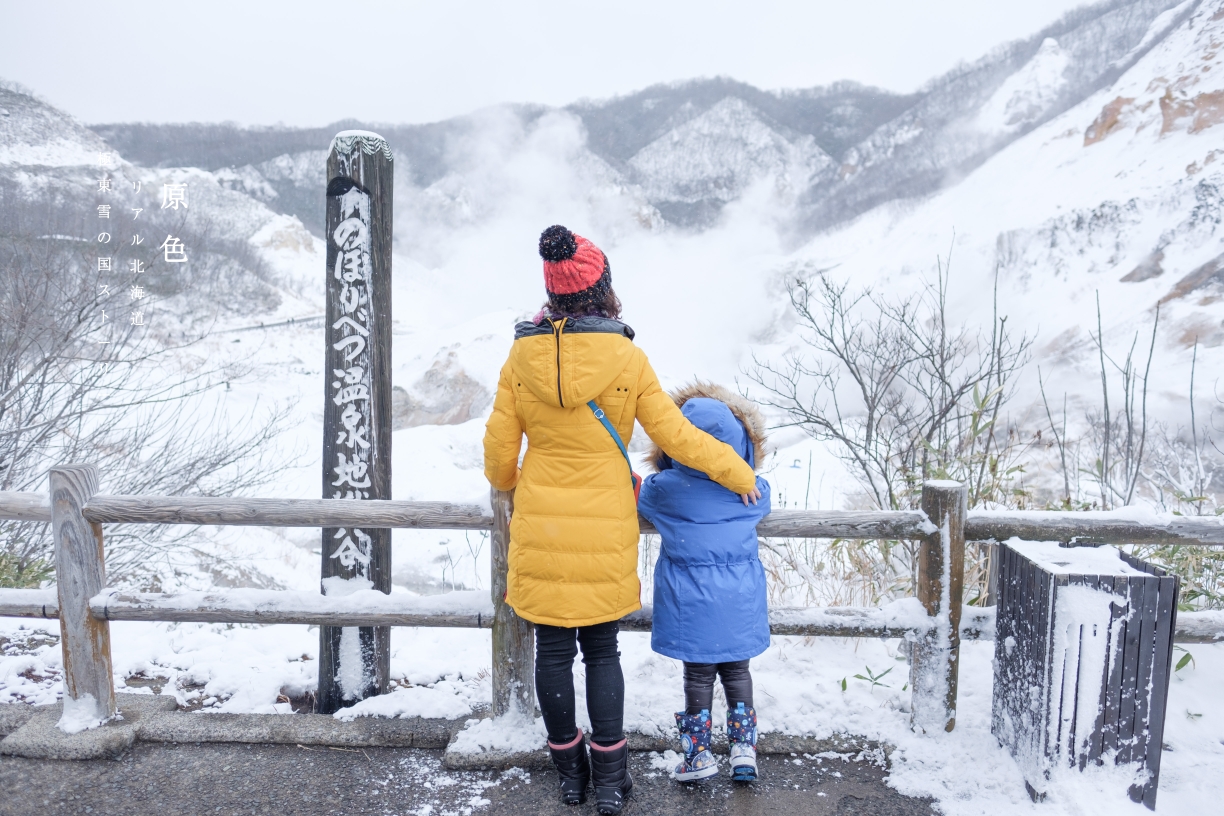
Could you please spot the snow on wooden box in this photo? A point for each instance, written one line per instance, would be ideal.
(1083, 652)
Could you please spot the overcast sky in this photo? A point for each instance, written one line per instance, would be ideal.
(312, 63)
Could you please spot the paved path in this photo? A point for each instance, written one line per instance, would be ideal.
(155, 779)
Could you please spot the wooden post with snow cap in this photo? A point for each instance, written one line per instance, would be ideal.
(941, 588)
(80, 574)
(513, 637)
(354, 662)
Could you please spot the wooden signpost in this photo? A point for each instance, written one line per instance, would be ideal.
(354, 661)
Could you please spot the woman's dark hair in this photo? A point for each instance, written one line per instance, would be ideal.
(599, 300)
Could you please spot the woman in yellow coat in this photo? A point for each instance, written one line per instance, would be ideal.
(574, 535)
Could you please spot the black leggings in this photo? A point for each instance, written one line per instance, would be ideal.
(605, 684)
(699, 685)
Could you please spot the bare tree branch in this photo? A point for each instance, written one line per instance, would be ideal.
(75, 387)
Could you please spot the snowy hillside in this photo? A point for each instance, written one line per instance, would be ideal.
(34, 134)
(51, 167)
(717, 155)
(1119, 195)
(970, 114)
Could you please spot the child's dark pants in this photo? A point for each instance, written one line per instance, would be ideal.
(699, 685)
(605, 684)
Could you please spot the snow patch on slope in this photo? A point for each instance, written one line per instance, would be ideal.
(718, 155)
(1028, 93)
(58, 152)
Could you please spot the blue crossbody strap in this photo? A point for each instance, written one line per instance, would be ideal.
(607, 423)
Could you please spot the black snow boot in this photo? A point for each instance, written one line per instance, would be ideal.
(610, 774)
(573, 767)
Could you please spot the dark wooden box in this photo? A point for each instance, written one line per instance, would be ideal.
(1083, 655)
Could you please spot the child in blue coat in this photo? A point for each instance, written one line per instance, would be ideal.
(710, 607)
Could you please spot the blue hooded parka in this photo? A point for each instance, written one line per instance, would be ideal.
(709, 586)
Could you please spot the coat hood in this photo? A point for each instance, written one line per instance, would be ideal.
(567, 361)
(719, 422)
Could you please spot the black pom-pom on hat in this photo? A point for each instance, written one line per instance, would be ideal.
(557, 244)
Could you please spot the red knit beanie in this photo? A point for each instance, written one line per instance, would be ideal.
(572, 264)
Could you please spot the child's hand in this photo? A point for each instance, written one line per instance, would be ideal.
(754, 495)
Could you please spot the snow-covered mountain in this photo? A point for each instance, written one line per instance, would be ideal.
(691, 148)
(711, 159)
(972, 113)
(1119, 195)
(52, 170)
(1083, 159)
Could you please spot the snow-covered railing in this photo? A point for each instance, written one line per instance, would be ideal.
(934, 622)
(1131, 525)
(105, 509)
(472, 609)
(1094, 527)
(24, 506)
(29, 603)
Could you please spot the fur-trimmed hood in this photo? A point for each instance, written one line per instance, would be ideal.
(741, 407)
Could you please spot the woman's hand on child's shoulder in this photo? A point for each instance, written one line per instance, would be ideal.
(754, 496)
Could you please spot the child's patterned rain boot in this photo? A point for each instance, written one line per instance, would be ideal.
(742, 735)
(699, 761)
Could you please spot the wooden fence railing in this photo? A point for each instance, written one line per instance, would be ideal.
(85, 607)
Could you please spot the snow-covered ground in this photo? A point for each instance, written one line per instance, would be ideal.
(445, 673)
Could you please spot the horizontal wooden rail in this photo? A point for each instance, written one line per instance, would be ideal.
(868, 524)
(411, 514)
(420, 515)
(443, 515)
(1120, 527)
(474, 610)
(895, 620)
(467, 609)
(29, 603)
(1090, 528)
(1200, 627)
(286, 512)
(25, 506)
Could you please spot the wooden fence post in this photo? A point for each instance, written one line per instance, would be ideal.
(354, 662)
(940, 588)
(80, 573)
(513, 637)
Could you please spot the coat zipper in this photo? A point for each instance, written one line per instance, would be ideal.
(557, 328)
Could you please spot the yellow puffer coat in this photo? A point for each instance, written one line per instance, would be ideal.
(574, 535)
